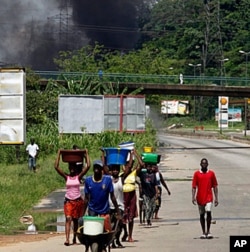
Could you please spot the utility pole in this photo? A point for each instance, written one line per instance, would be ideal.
(212, 49)
(222, 70)
(246, 56)
(194, 66)
(247, 114)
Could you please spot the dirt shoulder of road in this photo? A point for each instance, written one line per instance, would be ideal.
(6, 240)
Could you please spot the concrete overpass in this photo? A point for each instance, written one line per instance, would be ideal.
(194, 90)
(161, 84)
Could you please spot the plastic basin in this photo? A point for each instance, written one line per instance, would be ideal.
(151, 158)
(116, 155)
(147, 149)
(72, 156)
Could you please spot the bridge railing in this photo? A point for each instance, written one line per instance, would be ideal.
(146, 78)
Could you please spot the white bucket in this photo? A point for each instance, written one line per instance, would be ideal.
(127, 145)
(93, 225)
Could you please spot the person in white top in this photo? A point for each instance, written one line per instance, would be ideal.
(118, 192)
(32, 149)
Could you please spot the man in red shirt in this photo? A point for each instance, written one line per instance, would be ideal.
(204, 185)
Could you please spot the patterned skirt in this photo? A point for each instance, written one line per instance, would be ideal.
(130, 206)
(73, 208)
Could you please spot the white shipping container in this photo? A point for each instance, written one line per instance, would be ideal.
(97, 113)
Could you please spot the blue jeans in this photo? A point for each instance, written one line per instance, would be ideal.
(32, 163)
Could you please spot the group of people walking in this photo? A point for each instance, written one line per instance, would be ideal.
(111, 193)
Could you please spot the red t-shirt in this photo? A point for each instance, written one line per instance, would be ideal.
(204, 182)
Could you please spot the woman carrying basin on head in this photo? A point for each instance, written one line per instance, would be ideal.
(73, 203)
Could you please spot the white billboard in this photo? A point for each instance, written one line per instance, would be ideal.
(234, 114)
(12, 105)
(175, 107)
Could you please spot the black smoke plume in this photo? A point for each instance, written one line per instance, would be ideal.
(33, 32)
(112, 23)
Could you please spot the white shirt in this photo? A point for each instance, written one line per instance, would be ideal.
(118, 192)
(32, 149)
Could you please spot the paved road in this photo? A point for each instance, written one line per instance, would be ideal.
(179, 228)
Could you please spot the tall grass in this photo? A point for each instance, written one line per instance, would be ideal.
(22, 189)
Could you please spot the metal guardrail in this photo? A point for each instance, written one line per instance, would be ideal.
(147, 78)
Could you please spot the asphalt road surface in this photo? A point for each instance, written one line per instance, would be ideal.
(179, 228)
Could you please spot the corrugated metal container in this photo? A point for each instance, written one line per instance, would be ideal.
(94, 114)
(12, 106)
